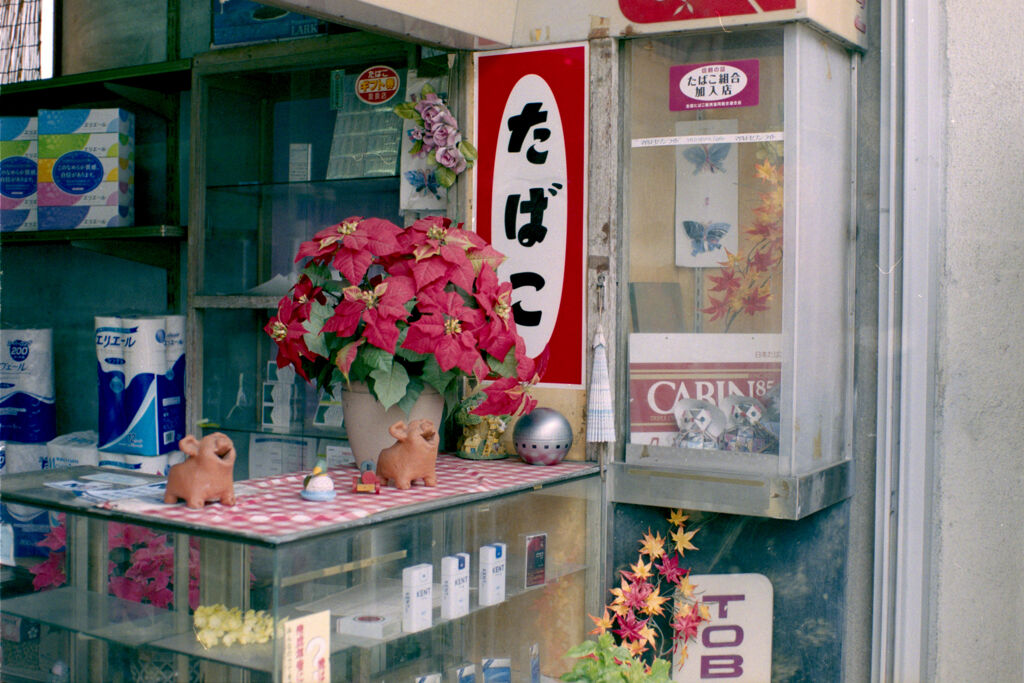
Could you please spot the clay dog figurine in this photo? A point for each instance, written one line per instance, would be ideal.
(413, 455)
(206, 474)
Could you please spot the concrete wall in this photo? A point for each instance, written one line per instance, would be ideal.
(978, 542)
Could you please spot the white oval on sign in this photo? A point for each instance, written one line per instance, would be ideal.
(712, 82)
(530, 190)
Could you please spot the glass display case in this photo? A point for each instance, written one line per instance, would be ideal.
(288, 139)
(327, 583)
(737, 296)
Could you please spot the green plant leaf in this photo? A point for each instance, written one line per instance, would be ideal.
(407, 110)
(411, 356)
(585, 648)
(390, 386)
(416, 147)
(377, 359)
(445, 176)
(427, 89)
(506, 368)
(468, 150)
(318, 273)
(412, 393)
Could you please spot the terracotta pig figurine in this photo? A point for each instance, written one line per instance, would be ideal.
(207, 473)
(412, 457)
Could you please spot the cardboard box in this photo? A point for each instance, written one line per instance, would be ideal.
(72, 217)
(19, 161)
(86, 160)
(244, 21)
(72, 121)
(103, 145)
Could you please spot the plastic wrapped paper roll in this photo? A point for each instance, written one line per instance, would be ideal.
(27, 410)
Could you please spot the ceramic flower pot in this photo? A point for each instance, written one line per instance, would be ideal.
(367, 422)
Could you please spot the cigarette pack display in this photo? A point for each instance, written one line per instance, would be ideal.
(368, 625)
(417, 597)
(497, 670)
(465, 674)
(454, 585)
(536, 559)
(492, 573)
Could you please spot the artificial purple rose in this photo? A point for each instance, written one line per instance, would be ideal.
(446, 136)
(435, 113)
(451, 157)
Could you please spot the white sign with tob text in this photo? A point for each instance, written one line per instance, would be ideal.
(736, 645)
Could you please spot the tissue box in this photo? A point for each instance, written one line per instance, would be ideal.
(72, 121)
(71, 450)
(116, 145)
(18, 172)
(71, 217)
(86, 168)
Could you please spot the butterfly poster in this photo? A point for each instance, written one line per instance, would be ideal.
(419, 189)
(707, 193)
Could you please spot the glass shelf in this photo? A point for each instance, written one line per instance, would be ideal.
(124, 233)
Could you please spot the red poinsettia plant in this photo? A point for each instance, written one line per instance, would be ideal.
(402, 309)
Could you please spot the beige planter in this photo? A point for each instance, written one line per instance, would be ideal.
(367, 422)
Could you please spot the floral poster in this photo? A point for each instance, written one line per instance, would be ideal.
(706, 193)
(420, 189)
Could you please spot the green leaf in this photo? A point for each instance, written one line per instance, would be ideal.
(406, 110)
(416, 147)
(445, 176)
(412, 393)
(468, 150)
(376, 358)
(318, 273)
(412, 356)
(433, 376)
(390, 387)
(427, 89)
(505, 368)
(585, 648)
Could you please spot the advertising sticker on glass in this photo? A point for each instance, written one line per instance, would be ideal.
(714, 85)
(708, 391)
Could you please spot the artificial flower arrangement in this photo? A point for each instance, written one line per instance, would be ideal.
(638, 618)
(435, 134)
(403, 309)
(744, 284)
(140, 568)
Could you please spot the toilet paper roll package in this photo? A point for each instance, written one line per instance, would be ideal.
(27, 410)
(29, 524)
(141, 384)
(146, 464)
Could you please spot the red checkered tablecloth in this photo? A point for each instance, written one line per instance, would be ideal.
(278, 509)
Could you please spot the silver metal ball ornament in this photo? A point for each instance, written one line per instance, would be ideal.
(542, 437)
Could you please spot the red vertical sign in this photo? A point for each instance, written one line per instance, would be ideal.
(530, 182)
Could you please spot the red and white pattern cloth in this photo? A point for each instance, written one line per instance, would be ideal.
(280, 510)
